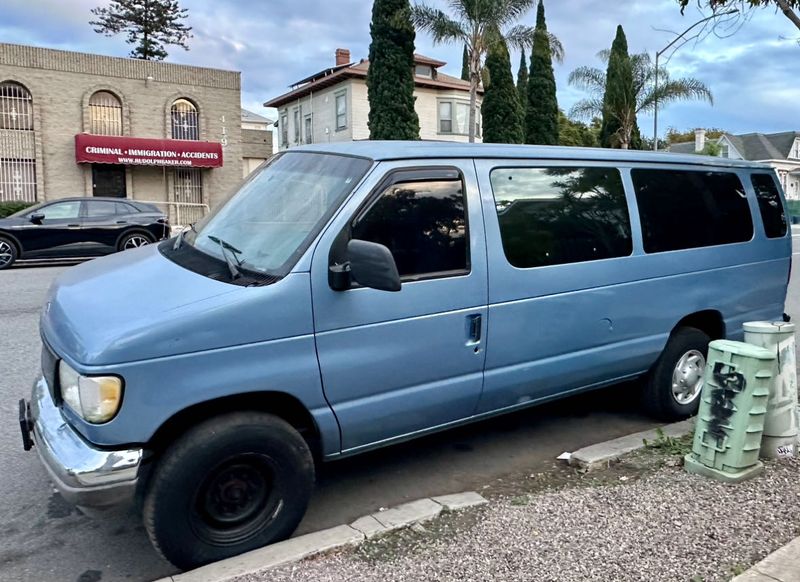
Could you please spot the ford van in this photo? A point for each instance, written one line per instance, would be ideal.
(350, 296)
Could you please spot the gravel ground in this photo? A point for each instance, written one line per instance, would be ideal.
(665, 525)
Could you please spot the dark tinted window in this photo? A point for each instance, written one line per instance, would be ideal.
(688, 209)
(424, 225)
(553, 216)
(123, 208)
(97, 208)
(770, 205)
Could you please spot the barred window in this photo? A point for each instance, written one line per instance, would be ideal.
(17, 146)
(16, 107)
(185, 120)
(105, 114)
(188, 188)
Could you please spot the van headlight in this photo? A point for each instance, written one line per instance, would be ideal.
(96, 399)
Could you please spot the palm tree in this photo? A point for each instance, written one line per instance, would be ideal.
(647, 92)
(480, 25)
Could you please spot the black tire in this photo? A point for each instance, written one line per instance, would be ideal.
(219, 470)
(134, 239)
(658, 397)
(8, 253)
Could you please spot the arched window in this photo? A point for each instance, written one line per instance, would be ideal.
(185, 120)
(17, 148)
(16, 107)
(105, 114)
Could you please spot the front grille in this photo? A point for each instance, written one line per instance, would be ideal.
(49, 371)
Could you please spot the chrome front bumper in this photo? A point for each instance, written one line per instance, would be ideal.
(84, 475)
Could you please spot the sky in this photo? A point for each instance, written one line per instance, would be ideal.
(752, 66)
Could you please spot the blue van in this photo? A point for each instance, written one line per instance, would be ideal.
(351, 296)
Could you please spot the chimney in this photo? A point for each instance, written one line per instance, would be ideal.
(342, 56)
(699, 140)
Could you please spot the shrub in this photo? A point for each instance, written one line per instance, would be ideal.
(9, 208)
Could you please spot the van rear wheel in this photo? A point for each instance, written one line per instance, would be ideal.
(229, 485)
(673, 386)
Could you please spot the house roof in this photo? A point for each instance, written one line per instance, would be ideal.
(250, 117)
(399, 150)
(334, 75)
(752, 146)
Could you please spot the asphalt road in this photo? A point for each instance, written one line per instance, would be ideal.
(43, 539)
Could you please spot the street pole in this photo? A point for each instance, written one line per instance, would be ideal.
(665, 49)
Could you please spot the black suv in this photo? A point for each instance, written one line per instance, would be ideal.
(79, 227)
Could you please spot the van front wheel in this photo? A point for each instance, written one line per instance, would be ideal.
(229, 485)
(672, 387)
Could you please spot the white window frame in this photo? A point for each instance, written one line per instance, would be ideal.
(284, 128)
(795, 152)
(343, 96)
(455, 127)
(297, 116)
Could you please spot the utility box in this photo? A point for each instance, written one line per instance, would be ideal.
(733, 406)
(780, 424)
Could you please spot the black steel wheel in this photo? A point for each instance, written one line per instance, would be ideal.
(229, 485)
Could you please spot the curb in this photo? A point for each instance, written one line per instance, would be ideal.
(600, 455)
(780, 566)
(362, 529)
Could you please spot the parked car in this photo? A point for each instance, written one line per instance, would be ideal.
(79, 227)
(351, 296)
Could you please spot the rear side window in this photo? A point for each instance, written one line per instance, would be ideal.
(423, 224)
(123, 208)
(100, 208)
(682, 209)
(770, 205)
(554, 216)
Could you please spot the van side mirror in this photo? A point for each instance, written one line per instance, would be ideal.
(37, 217)
(369, 264)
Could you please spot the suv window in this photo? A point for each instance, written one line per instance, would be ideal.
(555, 216)
(683, 209)
(61, 210)
(770, 205)
(423, 223)
(95, 208)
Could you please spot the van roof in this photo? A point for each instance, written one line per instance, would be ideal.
(401, 150)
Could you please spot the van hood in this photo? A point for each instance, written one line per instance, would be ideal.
(137, 305)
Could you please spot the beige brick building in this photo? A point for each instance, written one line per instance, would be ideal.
(75, 124)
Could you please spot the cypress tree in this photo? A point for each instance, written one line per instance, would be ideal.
(541, 115)
(501, 109)
(619, 127)
(390, 77)
(522, 81)
(465, 64)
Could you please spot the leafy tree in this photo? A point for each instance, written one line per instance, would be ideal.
(787, 7)
(626, 89)
(479, 24)
(576, 133)
(465, 64)
(711, 148)
(149, 24)
(541, 110)
(522, 80)
(675, 136)
(502, 112)
(390, 77)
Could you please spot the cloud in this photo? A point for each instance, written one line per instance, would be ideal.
(275, 43)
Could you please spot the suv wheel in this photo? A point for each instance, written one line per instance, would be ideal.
(134, 240)
(8, 253)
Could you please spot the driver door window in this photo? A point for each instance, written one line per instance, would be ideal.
(423, 224)
(61, 210)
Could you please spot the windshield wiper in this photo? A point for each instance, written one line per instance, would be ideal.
(225, 247)
(179, 238)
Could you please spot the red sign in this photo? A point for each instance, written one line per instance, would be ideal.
(137, 151)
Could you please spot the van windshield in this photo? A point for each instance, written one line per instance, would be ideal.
(270, 220)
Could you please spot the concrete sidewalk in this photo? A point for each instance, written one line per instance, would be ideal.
(780, 566)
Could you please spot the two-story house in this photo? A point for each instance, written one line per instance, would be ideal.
(779, 150)
(332, 105)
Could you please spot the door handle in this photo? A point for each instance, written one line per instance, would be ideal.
(474, 325)
(73, 226)
(122, 222)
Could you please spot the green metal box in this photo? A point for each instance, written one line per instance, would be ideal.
(733, 406)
